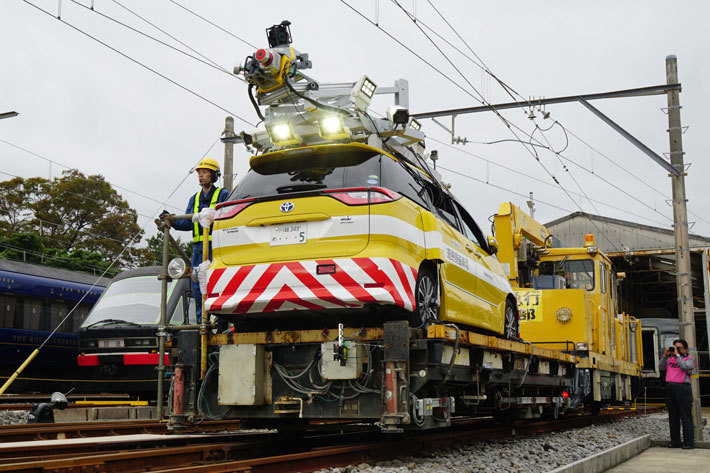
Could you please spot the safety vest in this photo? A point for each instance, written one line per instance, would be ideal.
(196, 234)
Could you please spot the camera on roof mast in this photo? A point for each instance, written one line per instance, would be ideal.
(279, 35)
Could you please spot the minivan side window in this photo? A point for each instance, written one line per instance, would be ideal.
(445, 209)
(398, 177)
(470, 229)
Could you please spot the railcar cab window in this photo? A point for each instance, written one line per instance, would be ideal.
(310, 172)
(578, 274)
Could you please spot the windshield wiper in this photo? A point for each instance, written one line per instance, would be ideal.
(299, 187)
(113, 322)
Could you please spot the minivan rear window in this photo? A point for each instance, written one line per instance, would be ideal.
(306, 173)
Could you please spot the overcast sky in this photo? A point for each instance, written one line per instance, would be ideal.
(87, 107)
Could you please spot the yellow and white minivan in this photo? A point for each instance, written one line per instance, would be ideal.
(316, 232)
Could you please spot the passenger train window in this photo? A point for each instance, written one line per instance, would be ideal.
(8, 311)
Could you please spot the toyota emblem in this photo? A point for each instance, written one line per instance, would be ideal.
(286, 207)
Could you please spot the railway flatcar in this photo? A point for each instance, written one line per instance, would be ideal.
(118, 347)
(33, 301)
(360, 288)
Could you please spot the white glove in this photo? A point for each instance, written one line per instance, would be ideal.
(206, 217)
(203, 275)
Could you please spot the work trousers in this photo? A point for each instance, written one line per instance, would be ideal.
(196, 260)
(679, 401)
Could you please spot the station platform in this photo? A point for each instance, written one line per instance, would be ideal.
(664, 460)
(661, 459)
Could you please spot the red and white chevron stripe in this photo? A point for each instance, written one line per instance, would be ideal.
(296, 286)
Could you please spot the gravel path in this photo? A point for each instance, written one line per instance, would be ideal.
(526, 454)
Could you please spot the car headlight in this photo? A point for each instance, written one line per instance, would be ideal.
(564, 315)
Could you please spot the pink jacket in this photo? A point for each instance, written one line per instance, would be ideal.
(678, 368)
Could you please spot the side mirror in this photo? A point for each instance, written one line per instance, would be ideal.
(492, 245)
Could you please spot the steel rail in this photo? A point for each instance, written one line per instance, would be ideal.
(27, 432)
(272, 453)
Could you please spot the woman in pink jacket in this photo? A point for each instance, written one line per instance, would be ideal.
(679, 397)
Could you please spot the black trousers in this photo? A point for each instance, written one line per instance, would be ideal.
(679, 401)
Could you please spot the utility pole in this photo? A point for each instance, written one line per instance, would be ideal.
(227, 139)
(686, 315)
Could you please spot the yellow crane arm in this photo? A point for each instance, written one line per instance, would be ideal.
(512, 225)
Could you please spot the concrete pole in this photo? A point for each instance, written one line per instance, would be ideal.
(686, 315)
(227, 136)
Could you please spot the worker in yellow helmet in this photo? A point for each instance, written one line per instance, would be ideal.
(207, 197)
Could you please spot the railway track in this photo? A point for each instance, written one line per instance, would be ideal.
(68, 430)
(261, 451)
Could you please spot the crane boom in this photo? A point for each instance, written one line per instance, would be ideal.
(512, 228)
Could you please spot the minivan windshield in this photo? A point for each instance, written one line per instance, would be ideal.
(129, 301)
(309, 172)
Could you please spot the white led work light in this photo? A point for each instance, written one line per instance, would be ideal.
(362, 93)
(331, 127)
(282, 134)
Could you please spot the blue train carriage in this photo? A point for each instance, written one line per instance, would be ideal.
(33, 301)
(118, 346)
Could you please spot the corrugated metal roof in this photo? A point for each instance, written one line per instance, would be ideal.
(615, 235)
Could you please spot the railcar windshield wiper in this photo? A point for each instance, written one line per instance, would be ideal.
(113, 322)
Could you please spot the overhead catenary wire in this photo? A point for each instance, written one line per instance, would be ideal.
(213, 24)
(541, 181)
(172, 37)
(513, 93)
(52, 161)
(117, 51)
(635, 176)
(207, 61)
(510, 126)
(131, 242)
(84, 197)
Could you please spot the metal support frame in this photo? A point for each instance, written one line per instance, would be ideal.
(645, 149)
(639, 92)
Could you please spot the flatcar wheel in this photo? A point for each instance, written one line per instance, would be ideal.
(426, 297)
(510, 331)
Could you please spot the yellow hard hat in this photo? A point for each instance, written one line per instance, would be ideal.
(208, 163)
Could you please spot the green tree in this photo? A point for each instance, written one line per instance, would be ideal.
(152, 254)
(30, 248)
(79, 219)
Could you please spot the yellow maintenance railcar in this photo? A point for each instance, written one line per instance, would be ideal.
(568, 300)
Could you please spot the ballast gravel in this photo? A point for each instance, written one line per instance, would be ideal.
(13, 417)
(525, 453)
